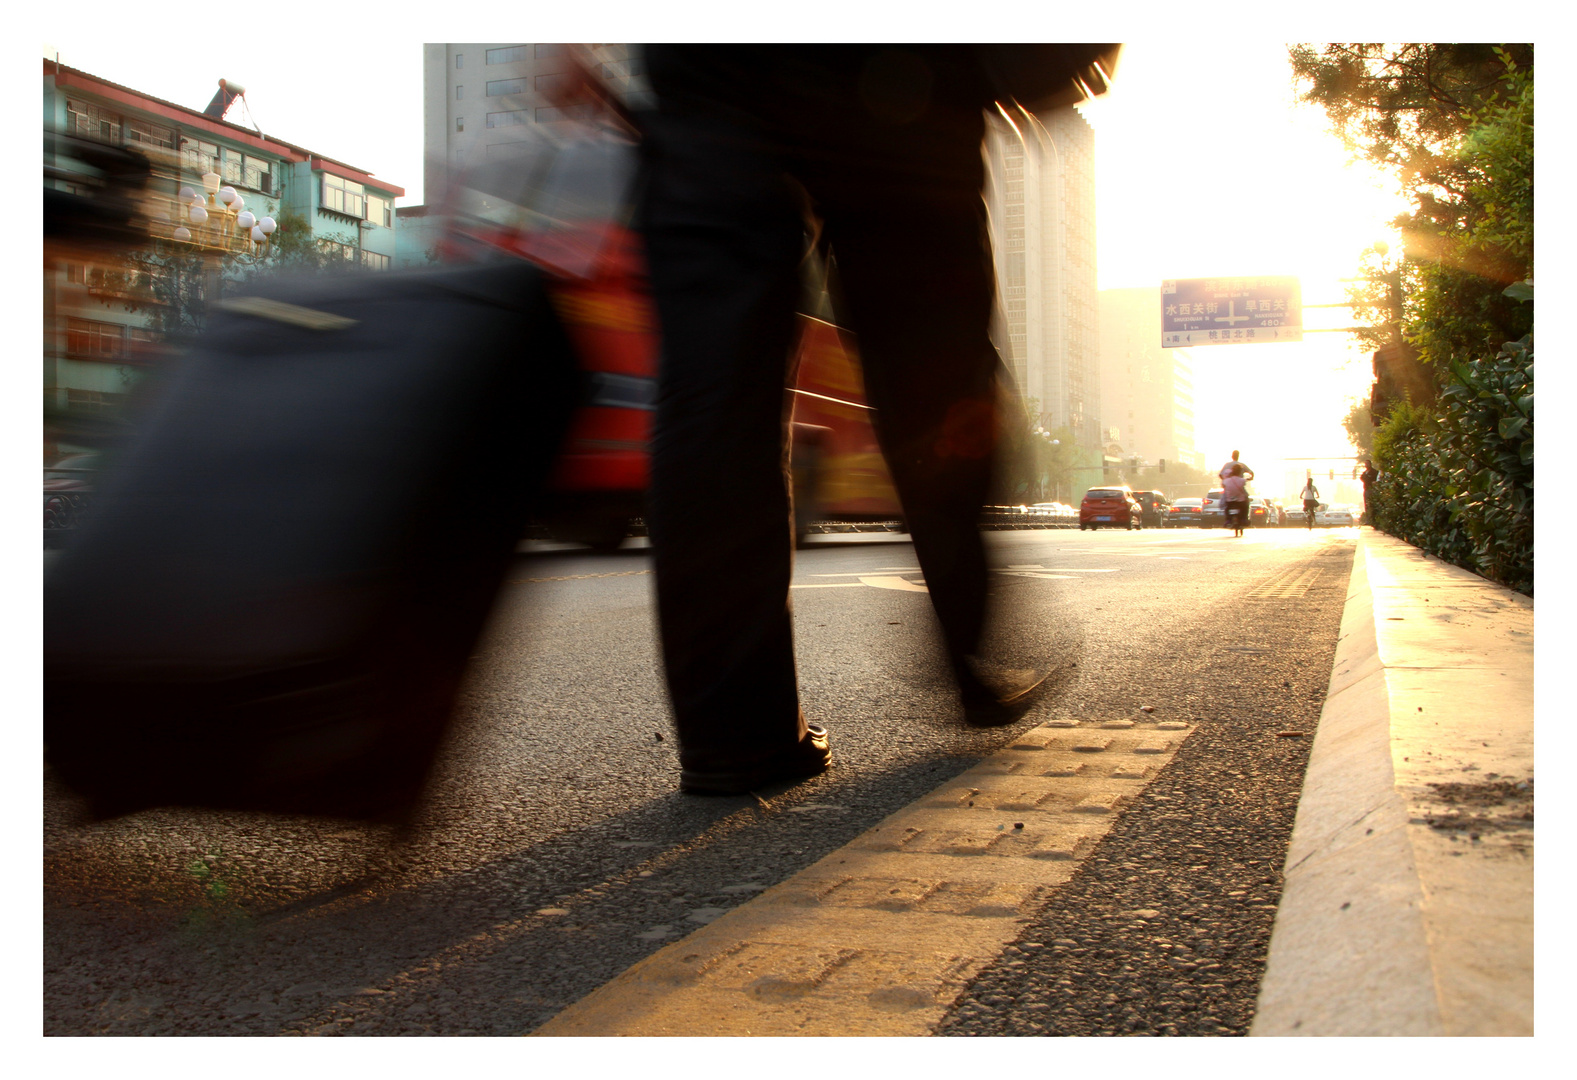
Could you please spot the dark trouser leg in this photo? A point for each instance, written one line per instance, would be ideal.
(724, 238)
(916, 273)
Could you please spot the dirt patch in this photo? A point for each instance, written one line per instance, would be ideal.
(1491, 806)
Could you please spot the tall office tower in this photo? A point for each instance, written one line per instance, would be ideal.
(1146, 391)
(1040, 193)
(480, 101)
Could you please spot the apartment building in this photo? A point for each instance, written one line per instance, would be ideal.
(1146, 391)
(482, 101)
(1040, 194)
(94, 348)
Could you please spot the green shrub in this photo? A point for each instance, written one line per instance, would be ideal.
(1460, 485)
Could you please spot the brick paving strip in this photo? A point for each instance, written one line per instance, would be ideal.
(881, 936)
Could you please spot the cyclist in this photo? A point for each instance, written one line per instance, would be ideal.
(1311, 500)
(1234, 495)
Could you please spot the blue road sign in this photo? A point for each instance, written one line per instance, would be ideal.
(1230, 311)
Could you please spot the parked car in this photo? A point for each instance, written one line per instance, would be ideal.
(1211, 513)
(1154, 504)
(1295, 514)
(1336, 515)
(1112, 507)
(1061, 513)
(1259, 513)
(1183, 513)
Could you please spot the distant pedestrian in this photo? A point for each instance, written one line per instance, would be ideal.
(1369, 475)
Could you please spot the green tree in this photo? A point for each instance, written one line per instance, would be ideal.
(1360, 428)
(1454, 123)
(173, 282)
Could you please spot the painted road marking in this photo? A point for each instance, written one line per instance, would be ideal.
(881, 936)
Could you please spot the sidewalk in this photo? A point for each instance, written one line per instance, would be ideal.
(1407, 907)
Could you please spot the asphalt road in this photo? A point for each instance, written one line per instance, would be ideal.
(555, 849)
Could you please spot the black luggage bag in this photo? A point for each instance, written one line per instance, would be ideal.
(286, 569)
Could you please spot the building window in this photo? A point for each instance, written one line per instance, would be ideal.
(508, 119)
(459, 60)
(344, 196)
(257, 174)
(89, 339)
(140, 131)
(373, 261)
(87, 119)
(92, 400)
(459, 93)
(503, 87)
(379, 211)
(510, 55)
(334, 247)
(230, 165)
(544, 52)
(459, 123)
(199, 156)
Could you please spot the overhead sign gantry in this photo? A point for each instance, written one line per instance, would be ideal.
(1230, 311)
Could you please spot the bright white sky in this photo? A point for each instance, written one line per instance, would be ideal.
(1205, 166)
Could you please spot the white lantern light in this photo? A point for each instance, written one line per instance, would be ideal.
(258, 235)
(183, 233)
(198, 214)
(245, 220)
(227, 195)
(211, 182)
(268, 225)
(186, 193)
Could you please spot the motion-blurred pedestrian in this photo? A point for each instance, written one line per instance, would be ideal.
(875, 151)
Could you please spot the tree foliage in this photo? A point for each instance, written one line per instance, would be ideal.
(1454, 123)
(1459, 484)
(174, 282)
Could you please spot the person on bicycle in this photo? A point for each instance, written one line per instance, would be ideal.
(1311, 500)
(1234, 495)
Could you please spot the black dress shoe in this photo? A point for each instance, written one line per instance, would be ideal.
(810, 756)
(1003, 701)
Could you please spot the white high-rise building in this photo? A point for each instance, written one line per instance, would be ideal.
(479, 101)
(1040, 193)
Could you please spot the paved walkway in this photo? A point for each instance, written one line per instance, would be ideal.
(1408, 902)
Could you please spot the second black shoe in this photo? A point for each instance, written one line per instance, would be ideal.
(810, 756)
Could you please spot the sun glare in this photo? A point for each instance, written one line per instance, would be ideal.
(1210, 169)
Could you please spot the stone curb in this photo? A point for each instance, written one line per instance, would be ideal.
(1407, 907)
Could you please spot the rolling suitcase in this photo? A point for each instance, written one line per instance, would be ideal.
(286, 568)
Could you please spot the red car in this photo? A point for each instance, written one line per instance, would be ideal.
(1112, 507)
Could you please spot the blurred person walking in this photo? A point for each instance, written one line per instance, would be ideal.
(874, 153)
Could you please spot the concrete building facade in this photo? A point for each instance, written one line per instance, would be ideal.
(1040, 194)
(95, 349)
(484, 101)
(1146, 391)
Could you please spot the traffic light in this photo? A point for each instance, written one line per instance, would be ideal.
(1163, 464)
(1333, 474)
(1135, 462)
(1355, 472)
